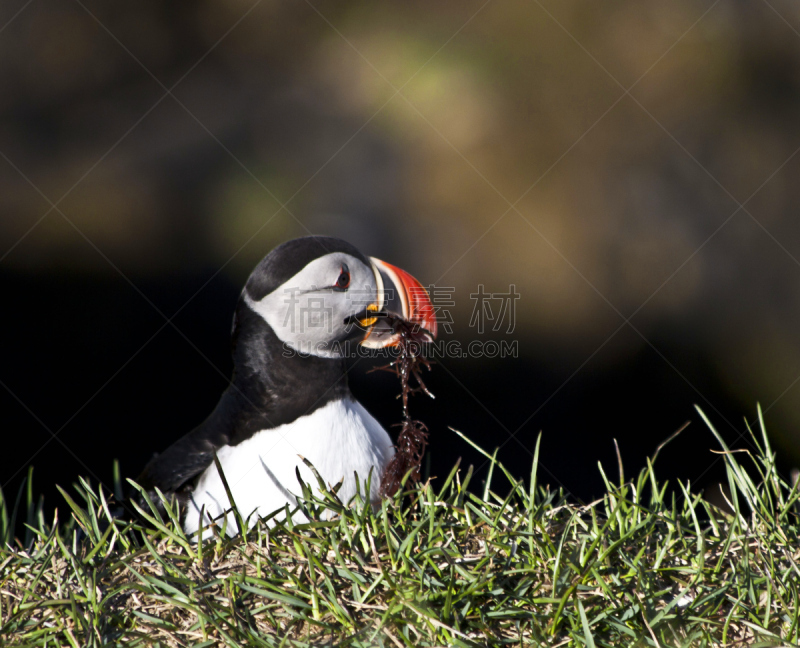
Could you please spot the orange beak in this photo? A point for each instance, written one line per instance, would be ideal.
(401, 295)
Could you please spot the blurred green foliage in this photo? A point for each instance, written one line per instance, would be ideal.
(595, 155)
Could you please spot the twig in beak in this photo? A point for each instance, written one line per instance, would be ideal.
(413, 438)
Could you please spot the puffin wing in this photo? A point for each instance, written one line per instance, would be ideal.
(183, 460)
(190, 455)
(234, 419)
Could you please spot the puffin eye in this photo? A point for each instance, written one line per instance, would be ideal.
(344, 278)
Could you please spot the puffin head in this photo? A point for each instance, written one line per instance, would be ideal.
(318, 292)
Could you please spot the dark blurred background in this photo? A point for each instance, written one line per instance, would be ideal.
(629, 167)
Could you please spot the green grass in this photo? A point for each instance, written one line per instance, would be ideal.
(436, 565)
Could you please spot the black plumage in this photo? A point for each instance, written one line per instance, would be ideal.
(269, 387)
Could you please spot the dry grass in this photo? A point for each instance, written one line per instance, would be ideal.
(434, 566)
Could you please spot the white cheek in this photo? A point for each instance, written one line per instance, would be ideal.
(303, 324)
(311, 321)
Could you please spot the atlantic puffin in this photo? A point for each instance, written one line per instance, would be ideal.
(288, 398)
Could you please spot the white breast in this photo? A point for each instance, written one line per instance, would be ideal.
(339, 439)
